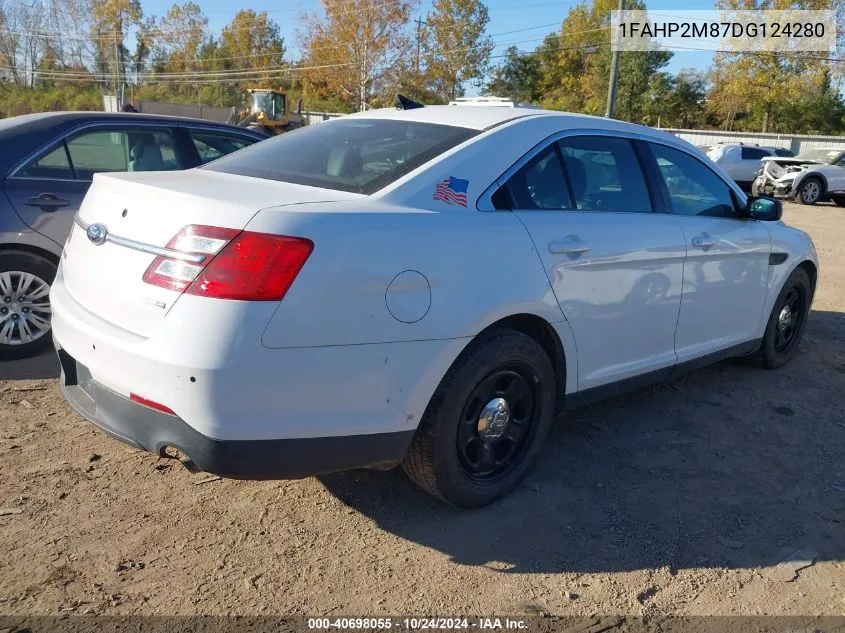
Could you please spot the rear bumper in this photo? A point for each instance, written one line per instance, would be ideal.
(154, 431)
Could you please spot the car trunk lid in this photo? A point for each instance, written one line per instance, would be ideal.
(140, 214)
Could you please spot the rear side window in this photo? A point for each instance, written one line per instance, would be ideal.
(356, 155)
(605, 174)
(784, 152)
(54, 164)
(213, 145)
(694, 189)
(754, 153)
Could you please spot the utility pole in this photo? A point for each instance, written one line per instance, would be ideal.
(419, 22)
(614, 68)
(115, 63)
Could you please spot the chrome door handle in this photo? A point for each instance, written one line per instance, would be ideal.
(567, 247)
(703, 242)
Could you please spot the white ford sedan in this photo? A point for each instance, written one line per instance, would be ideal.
(428, 287)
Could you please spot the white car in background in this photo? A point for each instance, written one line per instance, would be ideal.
(428, 287)
(811, 177)
(741, 162)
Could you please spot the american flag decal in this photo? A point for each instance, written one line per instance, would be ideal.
(452, 191)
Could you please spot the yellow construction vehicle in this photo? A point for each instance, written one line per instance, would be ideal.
(267, 112)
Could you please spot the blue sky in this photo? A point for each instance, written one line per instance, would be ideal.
(506, 16)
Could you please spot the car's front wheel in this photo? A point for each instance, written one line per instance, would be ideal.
(786, 322)
(25, 280)
(810, 191)
(486, 421)
(840, 201)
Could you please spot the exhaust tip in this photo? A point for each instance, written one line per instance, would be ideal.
(171, 452)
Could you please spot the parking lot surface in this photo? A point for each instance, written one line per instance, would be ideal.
(685, 498)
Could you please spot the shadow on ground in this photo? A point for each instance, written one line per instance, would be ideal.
(730, 466)
(43, 366)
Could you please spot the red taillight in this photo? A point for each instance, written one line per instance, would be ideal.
(134, 397)
(236, 265)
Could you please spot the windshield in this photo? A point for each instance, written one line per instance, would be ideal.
(824, 155)
(355, 155)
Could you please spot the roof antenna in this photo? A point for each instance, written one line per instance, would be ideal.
(404, 103)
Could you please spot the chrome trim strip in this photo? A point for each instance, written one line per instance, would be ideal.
(145, 248)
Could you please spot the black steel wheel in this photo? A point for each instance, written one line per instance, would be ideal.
(486, 422)
(787, 321)
(496, 421)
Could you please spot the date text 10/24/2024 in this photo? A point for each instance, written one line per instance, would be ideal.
(420, 623)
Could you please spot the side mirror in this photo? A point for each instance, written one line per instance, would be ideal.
(766, 209)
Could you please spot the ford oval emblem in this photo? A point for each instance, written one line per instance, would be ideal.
(97, 233)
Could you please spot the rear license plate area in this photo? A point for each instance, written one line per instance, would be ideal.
(75, 374)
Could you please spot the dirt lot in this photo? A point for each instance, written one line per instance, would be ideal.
(680, 499)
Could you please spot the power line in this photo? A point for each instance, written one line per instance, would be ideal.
(276, 68)
(230, 80)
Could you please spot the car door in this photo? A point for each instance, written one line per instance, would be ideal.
(47, 191)
(726, 271)
(614, 264)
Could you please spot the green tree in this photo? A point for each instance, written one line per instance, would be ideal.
(518, 77)
(356, 52)
(576, 65)
(251, 42)
(455, 48)
(758, 91)
(111, 19)
(178, 37)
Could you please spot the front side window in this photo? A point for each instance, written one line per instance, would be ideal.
(121, 150)
(693, 188)
(605, 174)
(540, 183)
(355, 155)
(99, 151)
(213, 145)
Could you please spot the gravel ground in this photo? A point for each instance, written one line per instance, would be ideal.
(679, 499)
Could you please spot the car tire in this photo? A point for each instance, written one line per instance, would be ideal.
(486, 422)
(787, 322)
(24, 276)
(810, 191)
(840, 201)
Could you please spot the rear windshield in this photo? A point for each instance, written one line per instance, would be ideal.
(356, 155)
